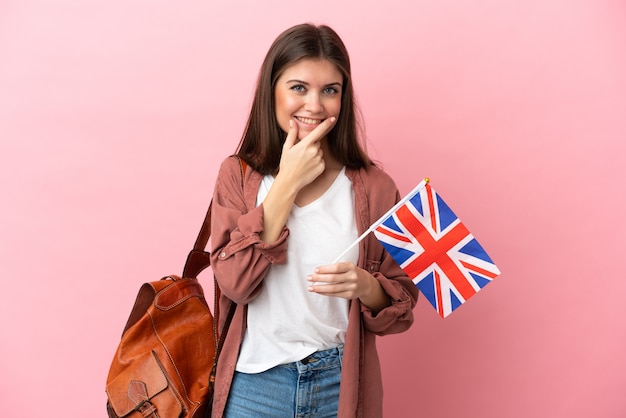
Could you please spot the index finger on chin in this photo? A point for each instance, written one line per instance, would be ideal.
(320, 131)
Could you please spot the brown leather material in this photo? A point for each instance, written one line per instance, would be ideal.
(172, 296)
(138, 394)
(142, 382)
(162, 365)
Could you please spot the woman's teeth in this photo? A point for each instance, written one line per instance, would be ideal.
(309, 121)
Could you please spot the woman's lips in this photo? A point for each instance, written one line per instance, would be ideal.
(308, 121)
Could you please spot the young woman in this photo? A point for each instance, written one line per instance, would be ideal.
(302, 340)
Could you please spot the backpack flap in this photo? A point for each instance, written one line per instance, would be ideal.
(143, 385)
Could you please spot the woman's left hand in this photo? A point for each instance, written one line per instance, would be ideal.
(346, 280)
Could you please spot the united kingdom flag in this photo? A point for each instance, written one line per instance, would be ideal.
(436, 250)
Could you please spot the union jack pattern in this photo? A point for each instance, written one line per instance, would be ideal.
(436, 250)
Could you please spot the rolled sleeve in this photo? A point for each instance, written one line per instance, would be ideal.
(250, 226)
(398, 316)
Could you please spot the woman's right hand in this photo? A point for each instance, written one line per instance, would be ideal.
(302, 161)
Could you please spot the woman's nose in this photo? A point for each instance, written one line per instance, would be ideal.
(313, 103)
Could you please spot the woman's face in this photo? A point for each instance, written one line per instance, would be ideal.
(308, 92)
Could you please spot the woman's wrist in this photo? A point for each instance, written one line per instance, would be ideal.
(376, 299)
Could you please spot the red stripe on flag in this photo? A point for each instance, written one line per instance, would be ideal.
(479, 270)
(431, 208)
(439, 295)
(436, 251)
(392, 234)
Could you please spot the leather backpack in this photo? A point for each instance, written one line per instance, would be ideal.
(164, 365)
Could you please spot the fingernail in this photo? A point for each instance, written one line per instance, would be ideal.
(291, 123)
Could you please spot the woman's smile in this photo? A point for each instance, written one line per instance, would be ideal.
(308, 121)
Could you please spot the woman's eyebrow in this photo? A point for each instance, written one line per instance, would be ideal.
(335, 83)
(297, 81)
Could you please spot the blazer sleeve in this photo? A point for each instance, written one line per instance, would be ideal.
(239, 258)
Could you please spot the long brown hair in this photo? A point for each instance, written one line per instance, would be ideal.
(262, 140)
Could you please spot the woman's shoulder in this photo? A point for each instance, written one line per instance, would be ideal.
(376, 176)
(230, 163)
(229, 172)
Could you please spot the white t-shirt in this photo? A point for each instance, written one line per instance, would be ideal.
(286, 322)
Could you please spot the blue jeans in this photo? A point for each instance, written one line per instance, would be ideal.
(307, 388)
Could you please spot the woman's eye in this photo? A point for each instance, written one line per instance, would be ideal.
(330, 90)
(298, 88)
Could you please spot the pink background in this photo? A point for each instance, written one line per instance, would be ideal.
(114, 116)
